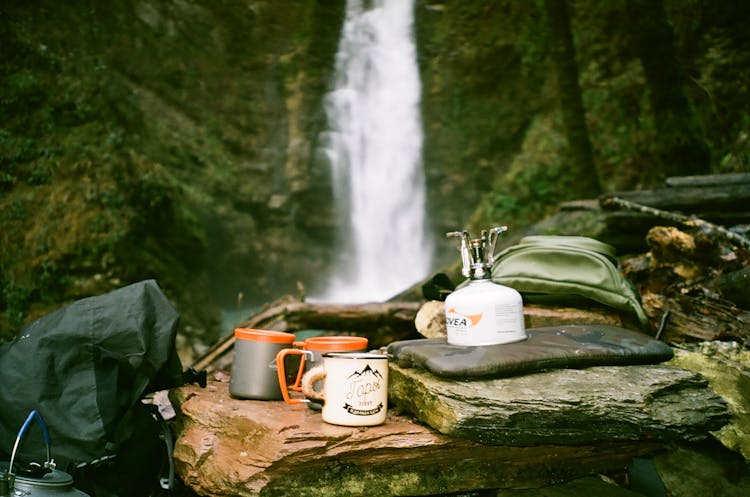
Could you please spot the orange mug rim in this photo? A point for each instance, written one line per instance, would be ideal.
(335, 343)
(263, 335)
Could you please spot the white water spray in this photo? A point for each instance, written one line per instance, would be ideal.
(375, 151)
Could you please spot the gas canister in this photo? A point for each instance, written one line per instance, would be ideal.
(482, 312)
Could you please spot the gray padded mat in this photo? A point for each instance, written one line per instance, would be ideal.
(554, 347)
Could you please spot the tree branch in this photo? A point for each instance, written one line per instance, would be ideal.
(690, 221)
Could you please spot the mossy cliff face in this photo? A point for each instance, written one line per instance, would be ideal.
(166, 140)
(179, 140)
(482, 83)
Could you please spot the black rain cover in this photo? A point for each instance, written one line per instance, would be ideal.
(83, 368)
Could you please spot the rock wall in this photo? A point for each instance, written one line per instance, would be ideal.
(167, 140)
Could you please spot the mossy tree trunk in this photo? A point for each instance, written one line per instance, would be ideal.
(681, 147)
(571, 102)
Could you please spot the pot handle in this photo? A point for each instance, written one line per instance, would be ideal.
(281, 373)
(33, 416)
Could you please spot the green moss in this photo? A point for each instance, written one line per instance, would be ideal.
(344, 479)
(535, 182)
(728, 377)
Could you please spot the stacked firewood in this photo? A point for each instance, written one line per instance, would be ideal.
(695, 276)
(720, 199)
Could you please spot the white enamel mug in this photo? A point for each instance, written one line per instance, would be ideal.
(355, 388)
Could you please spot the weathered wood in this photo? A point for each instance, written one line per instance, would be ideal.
(691, 221)
(677, 257)
(709, 180)
(697, 318)
(380, 323)
(229, 447)
(566, 407)
(668, 244)
(734, 286)
(626, 230)
(729, 197)
(631, 222)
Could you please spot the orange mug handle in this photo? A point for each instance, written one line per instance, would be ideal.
(281, 372)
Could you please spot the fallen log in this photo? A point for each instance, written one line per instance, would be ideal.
(690, 221)
(383, 323)
(697, 318)
(734, 286)
(703, 180)
(430, 320)
(728, 197)
(380, 323)
(719, 199)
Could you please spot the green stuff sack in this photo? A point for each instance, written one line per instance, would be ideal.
(567, 269)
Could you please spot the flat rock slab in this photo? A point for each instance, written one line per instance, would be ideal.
(232, 447)
(567, 406)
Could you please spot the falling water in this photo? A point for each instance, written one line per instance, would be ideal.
(375, 150)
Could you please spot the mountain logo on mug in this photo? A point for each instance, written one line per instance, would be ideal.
(366, 370)
(361, 391)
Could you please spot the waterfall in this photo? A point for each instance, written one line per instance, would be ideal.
(375, 150)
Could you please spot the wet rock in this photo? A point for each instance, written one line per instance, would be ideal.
(688, 471)
(726, 366)
(569, 406)
(582, 487)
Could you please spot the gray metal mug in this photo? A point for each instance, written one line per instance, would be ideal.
(253, 374)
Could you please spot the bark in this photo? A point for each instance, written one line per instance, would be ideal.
(681, 146)
(380, 323)
(734, 286)
(709, 180)
(584, 171)
(710, 230)
(697, 319)
(733, 197)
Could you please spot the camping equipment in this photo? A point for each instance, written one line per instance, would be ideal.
(567, 270)
(311, 353)
(253, 373)
(355, 388)
(553, 347)
(483, 312)
(36, 480)
(86, 368)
